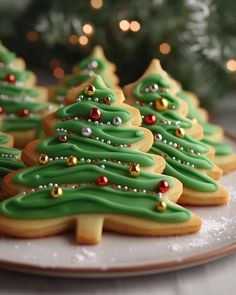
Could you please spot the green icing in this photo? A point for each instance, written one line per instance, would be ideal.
(221, 149)
(6, 57)
(82, 199)
(15, 98)
(21, 76)
(59, 172)
(21, 92)
(183, 155)
(13, 107)
(193, 112)
(3, 139)
(135, 196)
(142, 94)
(210, 129)
(9, 161)
(86, 71)
(91, 199)
(86, 64)
(87, 148)
(19, 123)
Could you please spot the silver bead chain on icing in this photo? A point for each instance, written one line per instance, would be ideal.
(9, 156)
(14, 116)
(166, 122)
(17, 83)
(158, 137)
(7, 66)
(137, 102)
(86, 132)
(17, 98)
(73, 186)
(117, 121)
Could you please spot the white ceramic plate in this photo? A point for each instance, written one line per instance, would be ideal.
(119, 255)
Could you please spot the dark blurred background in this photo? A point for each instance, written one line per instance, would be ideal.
(194, 39)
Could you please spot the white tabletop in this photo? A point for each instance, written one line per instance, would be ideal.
(215, 278)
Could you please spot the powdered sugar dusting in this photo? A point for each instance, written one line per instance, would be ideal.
(214, 230)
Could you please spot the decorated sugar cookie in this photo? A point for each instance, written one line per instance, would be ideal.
(225, 158)
(173, 134)
(91, 173)
(21, 107)
(96, 63)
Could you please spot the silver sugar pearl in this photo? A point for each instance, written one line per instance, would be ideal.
(117, 121)
(158, 137)
(153, 88)
(86, 131)
(93, 64)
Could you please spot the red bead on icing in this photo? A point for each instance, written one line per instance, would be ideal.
(95, 114)
(24, 113)
(102, 181)
(150, 119)
(163, 186)
(1, 110)
(10, 79)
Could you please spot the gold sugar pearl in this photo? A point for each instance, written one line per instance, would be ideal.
(194, 120)
(90, 90)
(161, 206)
(43, 159)
(57, 192)
(63, 138)
(134, 170)
(106, 100)
(180, 132)
(71, 161)
(161, 104)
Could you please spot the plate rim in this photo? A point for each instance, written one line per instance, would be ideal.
(118, 271)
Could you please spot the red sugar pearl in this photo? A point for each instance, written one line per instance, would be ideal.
(102, 181)
(10, 79)
(95, 114)
(24, 112)
(163, 186)
(150, 119)
(1, 110)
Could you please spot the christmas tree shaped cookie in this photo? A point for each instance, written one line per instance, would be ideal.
(9, 157)
(186, 156)
(96, 63)
(224, 157)
(93, 172)
(22, 105)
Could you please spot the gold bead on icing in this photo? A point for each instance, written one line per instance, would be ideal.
(194, 120)
(43, 159)
(90, 90)
(57, 192)
(134, 170)
(180, 132)
(161, 104)
(161, 206)
(71, 161)
(106, 100)
(63, 138)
